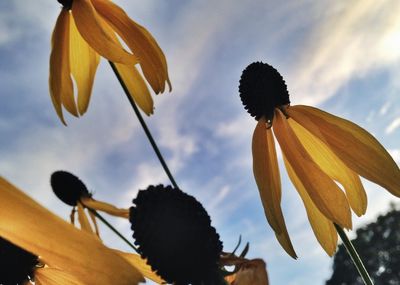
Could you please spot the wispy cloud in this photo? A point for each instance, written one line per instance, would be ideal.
(352, 39)
(394, 125)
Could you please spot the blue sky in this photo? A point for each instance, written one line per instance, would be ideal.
(342, 56)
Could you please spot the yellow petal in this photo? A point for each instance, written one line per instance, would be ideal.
(54, 276)
(252, 272)
(84, 61)
(286, 243)
(60, 83)
(160, 53)
(323, 228)
(83, 220)
(142, 266)
(357, 148)
(94, 222)
(266, 174)
(92, 30)
(333, 166)
(137, 87)
(33, 228)
(134, 82)
(105, 207)
(325, 194)
(151, 58)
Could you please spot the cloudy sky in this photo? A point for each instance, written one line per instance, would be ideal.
(341, 56)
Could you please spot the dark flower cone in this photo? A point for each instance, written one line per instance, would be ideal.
(174, 232)
(68, 188)
(262, 89)
(16, 264)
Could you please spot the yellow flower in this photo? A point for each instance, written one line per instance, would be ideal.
(70, 256)
(72, 191)
(319, 151)
(86, 29)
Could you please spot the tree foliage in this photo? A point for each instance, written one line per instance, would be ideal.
(378, 245)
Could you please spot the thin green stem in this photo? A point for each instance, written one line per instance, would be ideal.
(354, 256)
(100, 217)
(144, 126)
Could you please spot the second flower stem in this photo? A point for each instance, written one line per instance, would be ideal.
(144, 126)
(354, 256)
(100, 217)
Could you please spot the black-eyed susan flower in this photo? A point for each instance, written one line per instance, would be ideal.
(175, 235)
(70, 256)
(87, 29)
(72, 191)
(324, 156)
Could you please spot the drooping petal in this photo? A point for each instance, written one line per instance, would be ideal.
(133, 80)
(266, 174)
(157, 48)
(54, 276)
(323, 228)
(252, 272)
(137, 87)
(83, 220)
(60, 244)
(151, 58)
(357, 148)
(84, 61)
(92, 30)
(105, 207)
(60, 83)
(323, 191)
(326, 159)
(142, 266)
(94, 222)
(286, 243)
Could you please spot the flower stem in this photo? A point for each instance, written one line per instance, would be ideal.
(144, 126)
(354, 256)
(113, 229)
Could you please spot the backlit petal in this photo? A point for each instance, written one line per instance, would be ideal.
(92, 30)
(142, 266)
(54, 276)
(266, 174)
(357, 148)
(94, 222)
(333, 166)
(83, 220)
(151, 58)
(133, 80)
(105, 207)
(252, 272)
(84, 61)
(323, 191)
(33, 228)
(323, 228)
(60, 83)
(137, 87)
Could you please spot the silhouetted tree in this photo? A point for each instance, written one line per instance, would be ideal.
(378, 244)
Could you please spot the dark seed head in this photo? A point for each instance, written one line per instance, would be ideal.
(68, 188)
(67, 4)
(16, 264)
(262, 89)
(174, 233)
